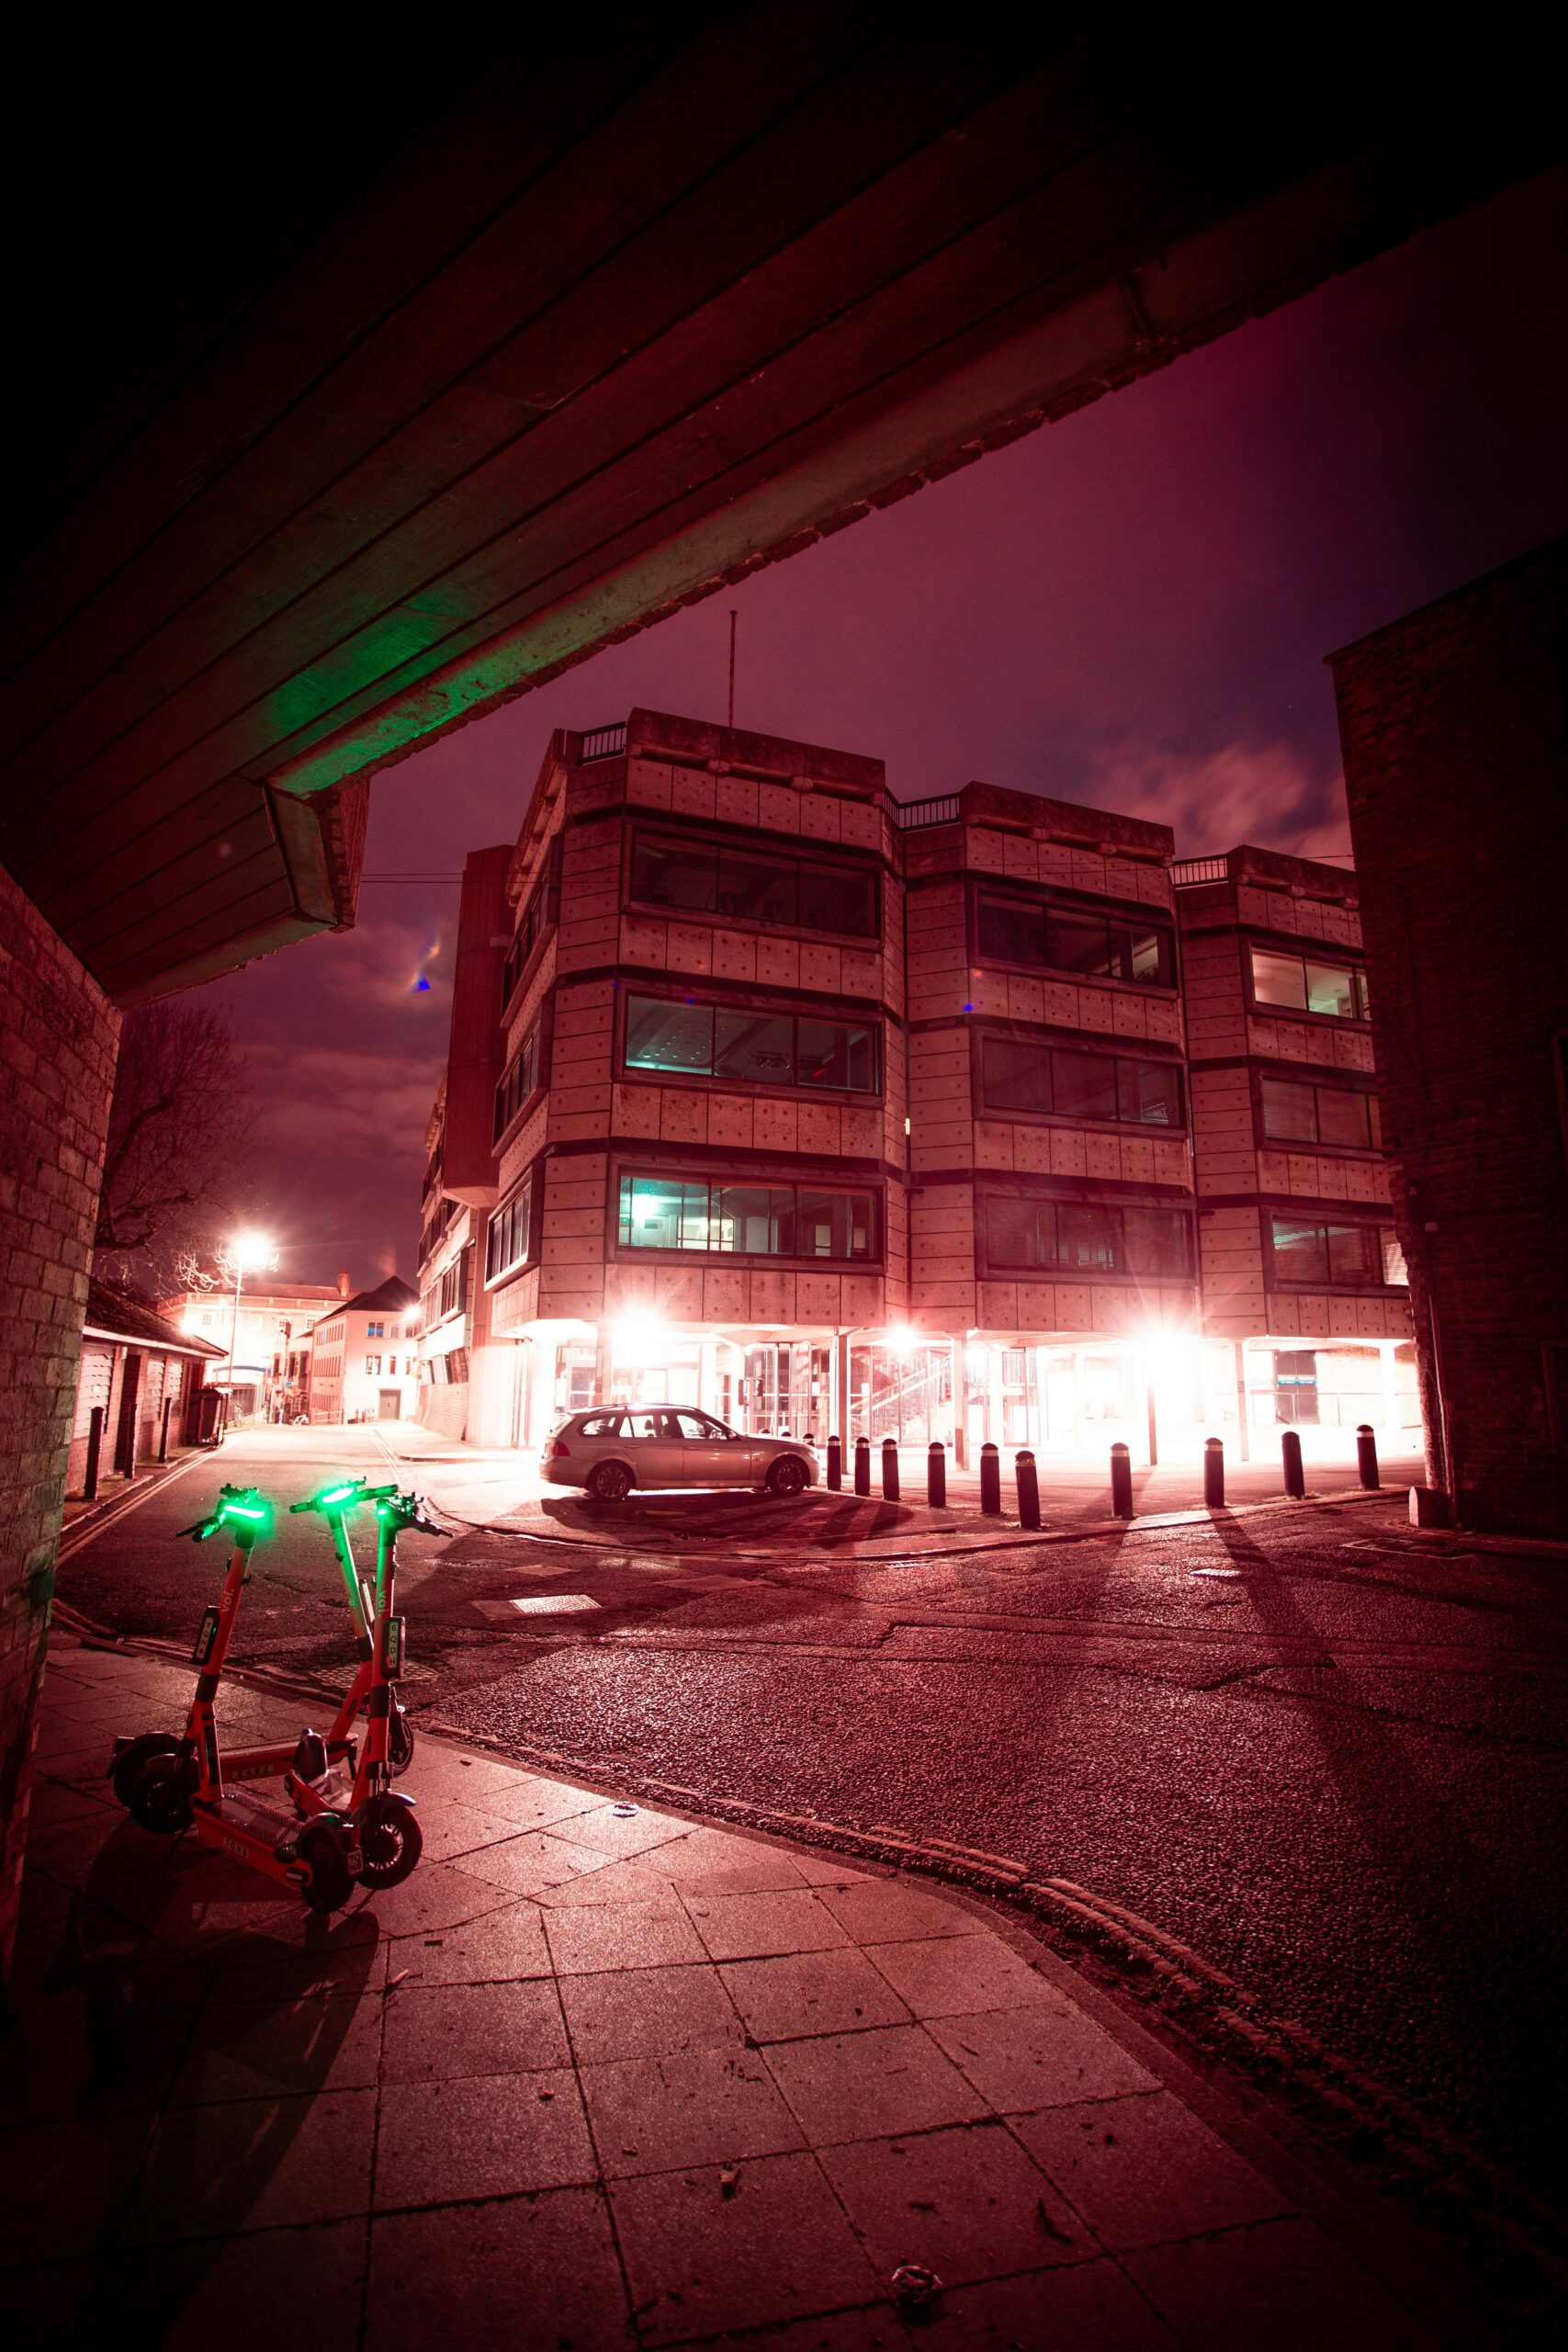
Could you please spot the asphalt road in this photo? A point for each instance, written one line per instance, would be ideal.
(1327, 1754)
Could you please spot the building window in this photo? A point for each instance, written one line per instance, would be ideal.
(1019, 1078)
(752, 1220)
(1295, 1111)
(373, 1365)
(754, 1049)
(1087, 1237)
(1063, 939)
(755, 886)
(1302, 984)
(522, 1077)
(1338, 1257)
(531, 925)
(506, 1244)
(375, 1330)
(449, 1291)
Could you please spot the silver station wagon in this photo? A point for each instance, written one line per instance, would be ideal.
(610, 1450)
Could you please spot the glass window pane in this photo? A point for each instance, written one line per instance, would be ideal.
(1331, 988)
(1157, 1241)
(1086, 1237)
(696, 1226)
(1342, 1117)
(1289, 1112)
(1152, 957)
(1020, 1233)
(643, 1425)
(822, 1053)
(1009, 931)
(1300, 1252)
(689, 1425)
(1353, 1254)
(661, 1036)
(675, 874)
(1083, 1086)
(1149, 1095)
(1077, 944)
(859, 1053)
(834, 897)
(762, 889)
(1277, 980)
(756, 1046)
(650, 1211)
(1014, 1077)
(822, 1225)
(755, 1219)
(1393, 1256)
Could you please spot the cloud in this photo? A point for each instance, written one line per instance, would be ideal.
(1264, 793)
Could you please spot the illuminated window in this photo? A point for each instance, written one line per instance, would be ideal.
(373, 1365)
(754, 1048)
(1086, 1237)
(1063, 939)
(375, 1330)
(1302, 984)
(1295, 1111)
(755, 886)
(748, 1219)
(1058, 1081)
(1337, 1256)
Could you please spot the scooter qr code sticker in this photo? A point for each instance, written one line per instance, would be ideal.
(206, 1634)
(392, 1649)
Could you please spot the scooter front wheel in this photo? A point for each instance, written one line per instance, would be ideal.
(390, 1841)
(158, 1797)
(126, 1770)
(329, 1886)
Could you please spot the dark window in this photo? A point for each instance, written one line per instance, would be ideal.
(754, 1048)
(1075, 939)
(1302, 984)
(1338, 1256)
(506, 1244)
(1087, 1237)
(753, 1220)
(525, 938)
(1016, 1076)
(522, 1077)
(755, 886)
(1295, 1111)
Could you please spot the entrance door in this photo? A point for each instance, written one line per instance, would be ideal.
(1295, 1385)
(390, 1405)
(130, 1410)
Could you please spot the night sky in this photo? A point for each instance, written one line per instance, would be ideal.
(1129, 608)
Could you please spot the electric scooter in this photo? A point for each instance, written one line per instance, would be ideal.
(171, 1783)
(316, 1752)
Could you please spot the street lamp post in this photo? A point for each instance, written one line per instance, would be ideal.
(251, 1250)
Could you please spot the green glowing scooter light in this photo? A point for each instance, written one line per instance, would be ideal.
(245, 1510)
(335, 1495)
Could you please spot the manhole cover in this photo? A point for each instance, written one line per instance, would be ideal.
(554, 1604)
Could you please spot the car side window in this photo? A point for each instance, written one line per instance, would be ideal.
(694, 1425)
(643, 1425)
(601, 1425)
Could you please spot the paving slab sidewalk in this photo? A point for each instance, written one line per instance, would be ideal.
(596, 2076)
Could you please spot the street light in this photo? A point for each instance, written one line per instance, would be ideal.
(248, 1252)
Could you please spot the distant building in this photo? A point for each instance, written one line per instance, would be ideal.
(365, 1356)
(1454, 722)
(274, 1323)
(770, 1093)
(144, 1376)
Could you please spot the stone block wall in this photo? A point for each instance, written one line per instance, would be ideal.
(58, 1040)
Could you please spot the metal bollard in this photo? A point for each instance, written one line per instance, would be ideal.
(991, 1481)
(862, 1465)
(95, 1449)
(1027, 1490)
(936, 1474)
(891, 1469)
(1213, 1474)
(1291, 1452)
(163, 1430)
(1121, 1482)
(1367, 1455)
(835, 1464)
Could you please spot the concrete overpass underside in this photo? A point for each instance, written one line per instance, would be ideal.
(366, 399)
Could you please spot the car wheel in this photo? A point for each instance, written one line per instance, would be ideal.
(610, 1482)
(787, 1476)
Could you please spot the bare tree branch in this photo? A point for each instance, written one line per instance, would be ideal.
(178, 1125)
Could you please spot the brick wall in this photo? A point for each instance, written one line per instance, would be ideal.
(58, 1039)
(1456, 765)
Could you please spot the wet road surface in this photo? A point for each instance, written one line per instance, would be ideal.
(1328, 1755)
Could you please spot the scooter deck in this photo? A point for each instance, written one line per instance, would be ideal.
(238, 1809)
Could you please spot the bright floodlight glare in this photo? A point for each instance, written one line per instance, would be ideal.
(903, 1339)
(252, 1249)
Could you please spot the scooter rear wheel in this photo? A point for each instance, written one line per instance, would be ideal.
(128, 1770)
(329, 1886)
(390, 1841)
(159, 1795)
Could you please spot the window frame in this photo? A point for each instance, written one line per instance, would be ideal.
(541, 910)
(1332, 958)
(761, 846)
(534, 1035)
(645, 1253)
(990, 1269)
(1381, 1228)
(873, 1024)
(527, 1187)
(1108, 1050)
(1342, 1082)
(1043, 902)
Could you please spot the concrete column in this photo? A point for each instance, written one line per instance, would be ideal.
(1388, 1360)
(960, 1400)
(58, 1034)
(1242, 1401)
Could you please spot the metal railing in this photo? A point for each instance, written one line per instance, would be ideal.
(602, 743)
(944, 809)
(1190, 870)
